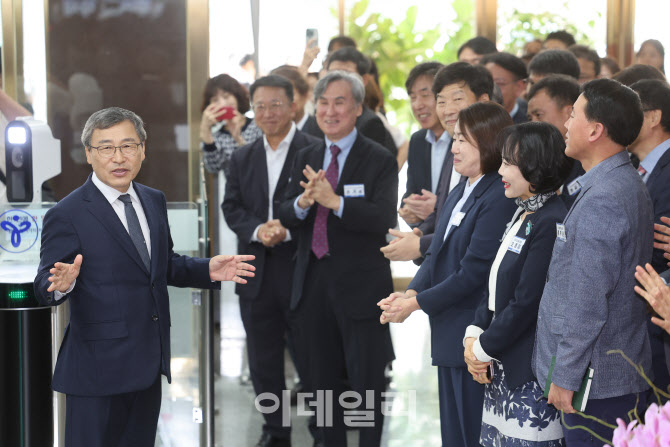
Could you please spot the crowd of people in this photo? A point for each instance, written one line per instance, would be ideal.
(534, 186)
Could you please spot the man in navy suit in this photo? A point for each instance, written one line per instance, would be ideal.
(651, 148)
(256, 184)
(550, 101)
(107, 249)
(588, 306)
(509, 74)
(428, 147)
(341, 199)
(456, 86)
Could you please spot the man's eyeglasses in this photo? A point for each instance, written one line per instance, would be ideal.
(262, 108)
(127, 149)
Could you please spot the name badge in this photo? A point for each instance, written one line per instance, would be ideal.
(357, 190)
(516, 245)
(458, 218)
(560, 232)
(574, 187)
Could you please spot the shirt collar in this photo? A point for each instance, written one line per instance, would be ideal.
(284, 144)
(345, 143)
(112, 194)
(430, 137)
(603, 167)
(651, 160)
(469, 187)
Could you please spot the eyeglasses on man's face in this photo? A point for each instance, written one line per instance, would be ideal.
(274, 106)
(127, 149)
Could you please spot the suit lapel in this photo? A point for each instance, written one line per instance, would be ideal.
(481, 187)
(296, 144)
(96, 203)
(353, 162)
(260, 163)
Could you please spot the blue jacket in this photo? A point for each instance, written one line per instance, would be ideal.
(118, 339)
(452, 280)
(589, 306)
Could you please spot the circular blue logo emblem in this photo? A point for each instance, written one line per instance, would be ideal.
(18, 231)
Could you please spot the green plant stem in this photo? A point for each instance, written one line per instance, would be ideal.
(588, 430)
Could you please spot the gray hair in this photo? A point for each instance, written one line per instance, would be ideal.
(354, 80)
(106, 118)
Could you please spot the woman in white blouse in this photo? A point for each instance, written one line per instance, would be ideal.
(499, 342)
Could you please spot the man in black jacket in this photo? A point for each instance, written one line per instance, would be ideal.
(258, 178)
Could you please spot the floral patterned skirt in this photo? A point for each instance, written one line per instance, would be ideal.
(518, 417)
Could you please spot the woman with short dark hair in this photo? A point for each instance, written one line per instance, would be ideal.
(534, 167)
(451, 281)
(224, 127)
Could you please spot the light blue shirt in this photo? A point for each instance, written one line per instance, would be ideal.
(345, 145)
(651, 160)
(459, 205)
(438, 152)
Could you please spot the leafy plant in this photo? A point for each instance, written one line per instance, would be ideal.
(397, 47)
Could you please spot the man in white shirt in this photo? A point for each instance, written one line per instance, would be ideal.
(259, 175)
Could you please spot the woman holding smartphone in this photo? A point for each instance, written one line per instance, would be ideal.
(451, 281)
(534, 167)
(224, 127)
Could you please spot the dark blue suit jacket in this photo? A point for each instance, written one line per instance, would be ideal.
(418, 164)
(245, 205)
(658, 185)
(355, 239)
(452, 279)
(118, 339)
(519, 285)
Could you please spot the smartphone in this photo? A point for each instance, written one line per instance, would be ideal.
(226, 113)
(312, 33)
(489, 372)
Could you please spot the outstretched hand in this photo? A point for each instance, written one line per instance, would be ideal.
(64, 275)
(231, 268)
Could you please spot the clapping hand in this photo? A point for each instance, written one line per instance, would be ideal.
(421, 205)
(662, 237)
(271, 233)
(405, 247)
(319, 188)
(657, 294)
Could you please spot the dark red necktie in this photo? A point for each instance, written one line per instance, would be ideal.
(320, 232)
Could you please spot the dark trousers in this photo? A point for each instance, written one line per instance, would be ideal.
(461, 404)
(342, 350)
(121, 420)
(266, 322)
(607, 410)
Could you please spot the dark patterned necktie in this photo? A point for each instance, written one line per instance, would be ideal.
(135, 230)
(320, 232)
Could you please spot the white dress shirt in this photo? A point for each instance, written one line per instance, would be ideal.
(112, 196)
(275, 159)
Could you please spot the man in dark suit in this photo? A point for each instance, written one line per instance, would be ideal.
(550, 101)
(509, 74)
(107, 249)
(588, 306)
(456, 86)
(256, 184)
(428, 147)
(368, 123)
(651, 148)
(341, 199)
